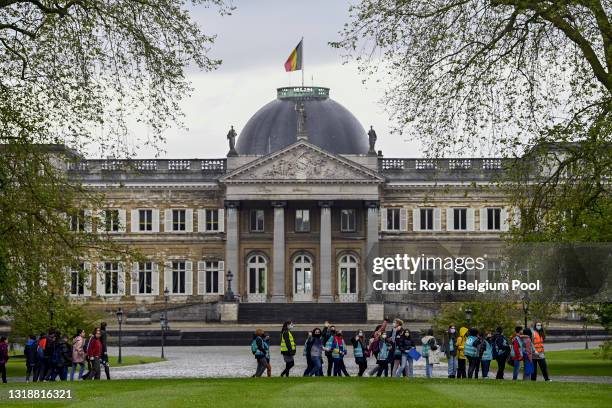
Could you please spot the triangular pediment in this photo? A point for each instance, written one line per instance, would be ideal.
(302, 162)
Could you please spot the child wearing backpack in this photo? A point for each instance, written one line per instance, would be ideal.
(259, 348)
(461, 352)
(528, 352)
(516, 352)
(501, 351)
(429, 352)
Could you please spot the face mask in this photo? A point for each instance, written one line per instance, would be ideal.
(360, 334)
(384, 336)
(317, 334)
(291, 326)
(452, 331)
(332, 331)
(539, 326)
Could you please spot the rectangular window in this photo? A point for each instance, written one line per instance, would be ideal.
(77, 221)
(212, 220)
(111, 220)
(77, 281)
(347, 220)
(212, 277)
(178, 220)
(426, 274)
(145, 278)
(145, 220)
(494, 219)
(393, 219)
(427, 222)
(178, 277)
(257, 220)
(460, 219)
(493, 271)
(111, 278)
(302, 220)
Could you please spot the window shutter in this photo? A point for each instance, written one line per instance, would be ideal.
(450, 226)
(100, 279)
(167, 220)
(470, 219)
(201, 277)
(188, 277)
(403, 219)
(100, 226)
(168, 276)
(155, 279)
(383, 219)
(201, 220)
(189, 220)
(416, 219)
(437, 219)
(121, 279)
(221, 277)
(483, 219)
(221, 219)
(134, 279)
(134, 220)
(122, 219)
(88, 220)
(504, 219)
(155, 215)
(87, 285)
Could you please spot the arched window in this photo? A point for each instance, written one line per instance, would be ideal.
(348, 269)
(257, 268)
(302, 278)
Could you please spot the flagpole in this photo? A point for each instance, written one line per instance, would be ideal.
(302, 62)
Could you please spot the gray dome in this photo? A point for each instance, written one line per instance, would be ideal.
(329, 125)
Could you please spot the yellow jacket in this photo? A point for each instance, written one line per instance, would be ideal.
(461, 342)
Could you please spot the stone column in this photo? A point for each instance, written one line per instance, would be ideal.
(371, 243)
(231, 242)
(278, 253)
(325, 254)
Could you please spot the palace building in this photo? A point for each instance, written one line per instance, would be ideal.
(291, 219)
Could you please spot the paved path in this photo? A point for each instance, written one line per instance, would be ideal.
(232, 361)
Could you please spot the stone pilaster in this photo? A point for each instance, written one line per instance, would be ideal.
(372, 235)
(232, 244)
(278, 253)
(325, 254)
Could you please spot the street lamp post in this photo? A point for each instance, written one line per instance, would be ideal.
(585, 324)
(468, 315)
(229, 295)
(526, 301)
(163, 321)
(120, 321)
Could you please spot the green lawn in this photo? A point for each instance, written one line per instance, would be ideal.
(324, 392)
(572, 362)
(16, 364)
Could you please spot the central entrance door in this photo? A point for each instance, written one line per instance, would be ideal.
(302, 278)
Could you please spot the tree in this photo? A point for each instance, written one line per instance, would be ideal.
(79, 72)
(512, 77)
(488, 73)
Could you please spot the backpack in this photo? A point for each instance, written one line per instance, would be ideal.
(254, 348)
(40, 352)
(521, 347)
(496, 349)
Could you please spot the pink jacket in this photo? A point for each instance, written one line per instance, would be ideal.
(78, 354)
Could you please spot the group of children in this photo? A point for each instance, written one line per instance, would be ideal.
(395, 351)
(51, 356)
(476, 350)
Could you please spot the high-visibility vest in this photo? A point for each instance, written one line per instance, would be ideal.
(470, 350)
(384, 352)
(338, 348)
(358, 352)
(283, 344)
(538, 342)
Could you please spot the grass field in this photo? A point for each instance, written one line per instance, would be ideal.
(299, 392)
(16, 364)
(572, 363)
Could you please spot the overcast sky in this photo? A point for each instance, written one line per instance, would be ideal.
(254, 43)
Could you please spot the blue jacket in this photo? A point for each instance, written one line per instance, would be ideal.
(30, 352)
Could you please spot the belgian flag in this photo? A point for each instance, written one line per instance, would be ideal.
(294, 62)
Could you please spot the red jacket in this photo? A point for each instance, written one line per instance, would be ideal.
(94, 349)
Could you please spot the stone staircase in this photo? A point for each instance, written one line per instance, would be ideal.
(314, 313)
